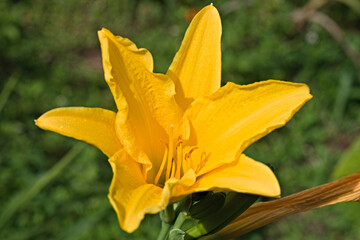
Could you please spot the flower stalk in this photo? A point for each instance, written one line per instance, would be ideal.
(168, 214)
(180, 220)
(165, 227)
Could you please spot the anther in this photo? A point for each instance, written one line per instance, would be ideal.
(173, 168)
(203, 160)
(179, 158)
(187, 162)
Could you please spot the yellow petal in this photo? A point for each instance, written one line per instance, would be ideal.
(196, 68)
(228, 121)
(95, 126)
(132, 197)
(145, 100)
(245, 175)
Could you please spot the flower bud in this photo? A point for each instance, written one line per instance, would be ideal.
(208, 205)
(235, 204)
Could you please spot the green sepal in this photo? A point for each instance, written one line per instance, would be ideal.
(176, 234)
(199, 195)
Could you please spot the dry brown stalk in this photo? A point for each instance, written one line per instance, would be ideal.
(338, 34)
(346, 189)
(301, 15)
(310, 12)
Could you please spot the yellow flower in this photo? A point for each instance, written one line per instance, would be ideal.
(178, 133)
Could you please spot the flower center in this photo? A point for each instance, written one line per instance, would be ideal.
(174, 162)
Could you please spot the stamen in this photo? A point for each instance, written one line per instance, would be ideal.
(203, 160)
(170, 155)
(173, 168)
(193, 149)
(185, 165)
(158, 175)
(176, 162)
(187, 162)
(179, 158)
(144, 171)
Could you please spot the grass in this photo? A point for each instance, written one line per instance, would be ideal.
(50, 58)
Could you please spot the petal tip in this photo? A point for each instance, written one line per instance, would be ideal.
(39, 122)
(211, 7)
(102, 33)
(211, 11)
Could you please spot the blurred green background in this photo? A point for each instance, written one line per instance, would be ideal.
(52, 187)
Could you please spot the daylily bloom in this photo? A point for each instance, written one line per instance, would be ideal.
(180, 132)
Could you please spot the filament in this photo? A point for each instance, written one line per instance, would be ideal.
(176, 162)
(179, 158)
(170, 155)
(161, 167)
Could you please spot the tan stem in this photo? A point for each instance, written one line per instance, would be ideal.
(310, 13)
(346, 189)
(301, 15)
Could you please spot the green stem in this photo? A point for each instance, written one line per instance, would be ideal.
(8, 88)
(168, 214)
(179, 220)
(165, 227)
(28, 193)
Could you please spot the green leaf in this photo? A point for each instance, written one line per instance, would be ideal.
(349, 162)
(25, 195)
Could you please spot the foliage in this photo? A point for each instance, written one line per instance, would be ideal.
(349, 161)
(50, 51)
